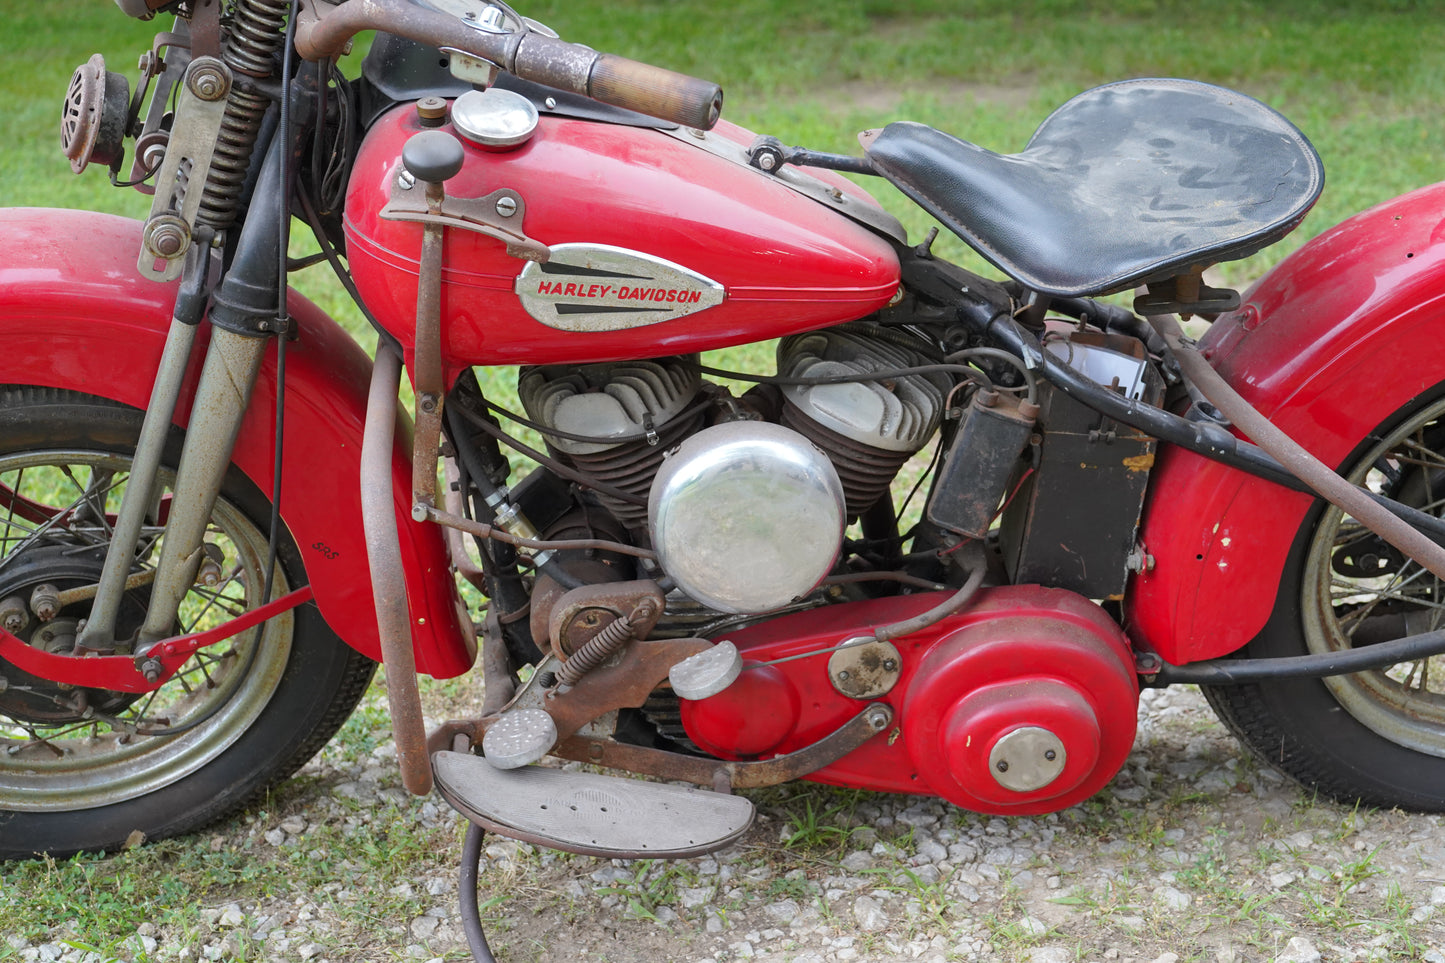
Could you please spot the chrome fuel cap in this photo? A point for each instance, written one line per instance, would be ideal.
(494, 119)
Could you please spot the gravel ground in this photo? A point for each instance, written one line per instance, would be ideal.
(1194, 852)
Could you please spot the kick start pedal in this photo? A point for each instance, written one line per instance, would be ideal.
(595, 815)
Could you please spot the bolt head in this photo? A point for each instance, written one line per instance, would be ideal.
(207, 82)
(506, 206)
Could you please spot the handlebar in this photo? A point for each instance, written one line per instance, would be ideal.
(324, 30)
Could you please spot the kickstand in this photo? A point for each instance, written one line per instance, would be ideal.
(467, 893)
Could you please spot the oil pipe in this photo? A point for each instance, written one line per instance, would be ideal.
(1315, 666)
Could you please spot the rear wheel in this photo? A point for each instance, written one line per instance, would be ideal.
(1374, 737)
(82, 769)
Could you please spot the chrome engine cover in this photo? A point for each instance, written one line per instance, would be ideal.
(746, 516)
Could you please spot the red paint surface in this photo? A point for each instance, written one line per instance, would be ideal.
(788, 263)
(1328, 345)
(1019, 656)
(120, 672)
(75, 314)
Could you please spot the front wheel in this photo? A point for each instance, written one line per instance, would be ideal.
(84, 769)
(1376, 737)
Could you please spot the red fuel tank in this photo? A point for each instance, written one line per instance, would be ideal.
(659, 244)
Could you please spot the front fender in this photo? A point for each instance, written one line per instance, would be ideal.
(75, 314)
(1341, 335)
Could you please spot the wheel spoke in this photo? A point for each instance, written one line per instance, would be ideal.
(14, 497)
(58, 512)
(1425, 457)
(215, 599)
(44, 528)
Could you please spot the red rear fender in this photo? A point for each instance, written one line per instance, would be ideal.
(75, 314)
(1331, 343)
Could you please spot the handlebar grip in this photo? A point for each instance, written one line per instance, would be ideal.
(618, 81)
(655, 91)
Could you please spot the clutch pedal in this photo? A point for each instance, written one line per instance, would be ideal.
(595, 815)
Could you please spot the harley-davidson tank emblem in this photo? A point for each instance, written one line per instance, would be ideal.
(597, 287)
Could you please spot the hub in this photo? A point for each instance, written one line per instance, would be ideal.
(27, 698)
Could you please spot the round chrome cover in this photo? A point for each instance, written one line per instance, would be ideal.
(496, 119)
(746, 516)
(1027, 759)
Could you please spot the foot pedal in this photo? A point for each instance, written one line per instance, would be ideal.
(706, 673)
(594, 815)
(519, 738)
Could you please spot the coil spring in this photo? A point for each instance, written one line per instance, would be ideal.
(595, 651)
(256, 35)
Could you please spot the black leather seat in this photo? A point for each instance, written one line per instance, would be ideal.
(1127, 183)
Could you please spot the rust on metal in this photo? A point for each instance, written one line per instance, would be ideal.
(482, 530)
(456, 544)
(865, 671)
(626, 683)
(581, 613)
(427, 362)
(498, 678)
(479, 214)
(324, 30)
(80, 593)
(714, 773)
(388, 577)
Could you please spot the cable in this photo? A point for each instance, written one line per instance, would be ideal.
(973, 374)
(557, 467)
(998, 354)
(467, 895)
(339, 269)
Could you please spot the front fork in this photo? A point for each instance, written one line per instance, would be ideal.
(243, 317)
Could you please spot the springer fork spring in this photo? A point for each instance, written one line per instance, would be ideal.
(257, 33)
(595, 651)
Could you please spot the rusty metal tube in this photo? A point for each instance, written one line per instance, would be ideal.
(324, 31)
(536, 544)
(1316, 474)
(388, 578)
(951, 605)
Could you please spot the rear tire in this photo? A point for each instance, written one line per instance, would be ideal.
(237, 719)
(1376, 738)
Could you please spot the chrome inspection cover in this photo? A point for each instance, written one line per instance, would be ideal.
(746, 516)
(494, 119)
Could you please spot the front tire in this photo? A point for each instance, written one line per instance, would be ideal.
(1378, 737)
(86, 769)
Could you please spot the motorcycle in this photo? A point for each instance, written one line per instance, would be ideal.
(712, 588)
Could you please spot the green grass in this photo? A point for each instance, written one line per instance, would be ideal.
(1363, 79)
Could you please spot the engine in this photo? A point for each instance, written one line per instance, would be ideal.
(745, 500)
